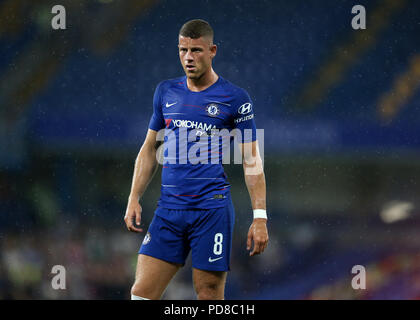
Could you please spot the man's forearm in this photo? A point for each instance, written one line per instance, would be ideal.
(144, 170)
(256, 188)
(254, 174)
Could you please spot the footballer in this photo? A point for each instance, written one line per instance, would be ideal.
(195, 211)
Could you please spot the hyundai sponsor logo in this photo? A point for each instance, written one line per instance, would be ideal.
(245, 108)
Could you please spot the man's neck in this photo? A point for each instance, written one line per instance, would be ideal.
(203, 82)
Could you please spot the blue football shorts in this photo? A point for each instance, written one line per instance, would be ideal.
(207, 233)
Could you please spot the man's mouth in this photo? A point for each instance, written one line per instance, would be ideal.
(190, 67)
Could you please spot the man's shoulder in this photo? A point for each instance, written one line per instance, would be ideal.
(169, 83)
(235, 90)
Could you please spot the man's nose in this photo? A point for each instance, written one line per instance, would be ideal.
(189, 56)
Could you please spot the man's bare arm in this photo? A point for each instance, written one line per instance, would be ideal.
(255, 182)
(144, 169)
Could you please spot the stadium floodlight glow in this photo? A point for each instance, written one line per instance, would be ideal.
(396, 211)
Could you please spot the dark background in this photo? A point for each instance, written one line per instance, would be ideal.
(340, 109)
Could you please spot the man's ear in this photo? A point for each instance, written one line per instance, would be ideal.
(213, 50)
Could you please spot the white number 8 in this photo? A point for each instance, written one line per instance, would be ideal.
(218, 239)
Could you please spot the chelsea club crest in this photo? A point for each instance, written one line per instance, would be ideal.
(213, 110)
(147, 238)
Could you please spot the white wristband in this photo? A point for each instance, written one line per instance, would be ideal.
(260, 213)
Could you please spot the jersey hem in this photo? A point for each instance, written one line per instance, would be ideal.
(186, 207)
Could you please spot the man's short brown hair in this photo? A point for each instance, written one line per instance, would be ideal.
(197, 28)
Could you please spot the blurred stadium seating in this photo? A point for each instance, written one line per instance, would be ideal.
(340, 109)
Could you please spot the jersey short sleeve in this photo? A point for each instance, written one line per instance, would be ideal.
(157, 121)
(243, 117)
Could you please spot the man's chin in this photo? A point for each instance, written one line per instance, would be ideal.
(193, 75)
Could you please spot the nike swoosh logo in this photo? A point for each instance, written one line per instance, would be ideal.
(213, 260)
(169, 105)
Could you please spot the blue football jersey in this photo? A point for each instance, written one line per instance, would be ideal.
(192, 172)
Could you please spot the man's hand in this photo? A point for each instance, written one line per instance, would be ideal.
(132, 213)
(259, 234)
